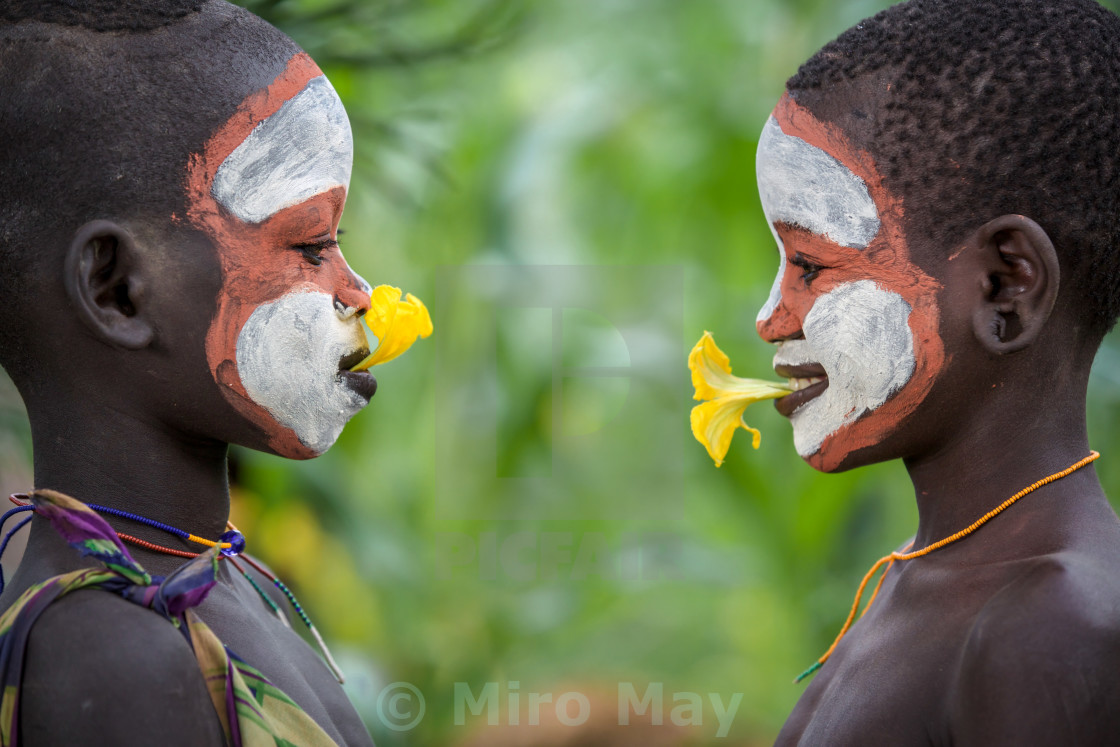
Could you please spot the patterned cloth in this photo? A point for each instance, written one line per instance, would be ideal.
(252, 711)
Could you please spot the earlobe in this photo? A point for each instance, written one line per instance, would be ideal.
(106, 288)
(1019, 283)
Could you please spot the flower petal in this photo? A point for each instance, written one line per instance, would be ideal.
(424, 319)
(383, 303)
(711, 375)
(715, 422)
(395, 323)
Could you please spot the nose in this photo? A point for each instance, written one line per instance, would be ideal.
(351, 297)
(781, 324)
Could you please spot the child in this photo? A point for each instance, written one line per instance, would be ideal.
(943, 181)
(174, 173)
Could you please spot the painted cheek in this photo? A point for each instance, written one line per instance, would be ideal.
(860, 334)
(287, 357)
(876, 425)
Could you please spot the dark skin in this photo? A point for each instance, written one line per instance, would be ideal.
(1010, 635)
(125, 413)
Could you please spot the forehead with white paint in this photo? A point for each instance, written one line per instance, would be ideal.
(801, 185)
(302, 150)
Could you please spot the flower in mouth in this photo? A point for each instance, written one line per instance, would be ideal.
(395, 323)
(714, 422)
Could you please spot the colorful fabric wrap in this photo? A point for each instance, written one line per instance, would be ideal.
(252, 711)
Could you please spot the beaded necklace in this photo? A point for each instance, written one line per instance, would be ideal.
(231, 545)
(890, 559)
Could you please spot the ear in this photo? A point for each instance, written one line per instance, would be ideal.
(103, 279)
(1020, 283)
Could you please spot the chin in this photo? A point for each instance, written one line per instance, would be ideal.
(857, 445)
(833, 462)
(299, 453)
(284, 442)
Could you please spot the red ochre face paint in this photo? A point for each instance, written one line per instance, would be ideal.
(269, 260)
(831, 307)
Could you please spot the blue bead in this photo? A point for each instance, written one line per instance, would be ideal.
(236, 542)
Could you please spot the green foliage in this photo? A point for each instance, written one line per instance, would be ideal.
(617, 133)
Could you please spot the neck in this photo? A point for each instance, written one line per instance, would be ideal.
(114, 459)
(999, 455)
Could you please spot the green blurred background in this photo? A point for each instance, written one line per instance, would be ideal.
(580, 133)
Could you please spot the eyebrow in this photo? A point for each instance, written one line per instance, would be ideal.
(804, 186)
(304, 149)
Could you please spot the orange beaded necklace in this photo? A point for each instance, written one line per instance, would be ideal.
(890, 559)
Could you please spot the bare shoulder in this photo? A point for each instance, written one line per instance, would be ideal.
(1039, 663)
(101, 670)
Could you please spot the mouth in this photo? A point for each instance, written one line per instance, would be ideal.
(361, 382)
(351, 359)
(808, 382)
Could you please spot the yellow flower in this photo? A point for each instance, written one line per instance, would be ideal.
(395, 323)
(714, 422)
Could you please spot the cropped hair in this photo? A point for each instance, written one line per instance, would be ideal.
(102, 103)
(998, 107)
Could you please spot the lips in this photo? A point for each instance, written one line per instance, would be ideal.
(361, 382)
(348, 361)
(809, 381)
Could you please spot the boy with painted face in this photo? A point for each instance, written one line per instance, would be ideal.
(175, 172)
(943, 182)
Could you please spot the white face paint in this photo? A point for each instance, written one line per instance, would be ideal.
(860, 334)
(803, 186)
(304, 149)
(288, 355)
(775, 298)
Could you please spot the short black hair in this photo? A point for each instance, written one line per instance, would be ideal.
(100, 15)
(102, 102)
(998, 107)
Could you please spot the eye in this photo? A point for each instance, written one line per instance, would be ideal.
(313, 250)
(810, 268)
